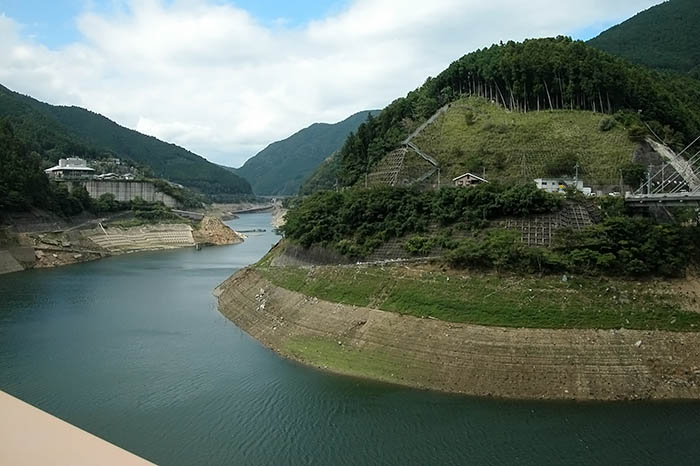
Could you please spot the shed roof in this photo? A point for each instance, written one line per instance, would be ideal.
(59, 168)
(472, 175)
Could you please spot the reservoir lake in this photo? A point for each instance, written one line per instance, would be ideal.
(133, 349)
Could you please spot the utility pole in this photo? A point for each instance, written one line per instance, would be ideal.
(649, 179)
(438, 178)
(576, 167)
(621, 183)
(663, 165)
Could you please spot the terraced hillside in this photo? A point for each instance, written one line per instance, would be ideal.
(477, 136)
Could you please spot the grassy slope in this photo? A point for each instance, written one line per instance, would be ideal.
(491, 299)
(517, 146)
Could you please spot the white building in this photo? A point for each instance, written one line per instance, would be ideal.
(72, 168)
(467, 180)
(558, 185)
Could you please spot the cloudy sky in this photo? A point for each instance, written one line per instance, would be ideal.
(225, 78)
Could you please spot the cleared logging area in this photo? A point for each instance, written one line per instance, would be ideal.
(475, 135)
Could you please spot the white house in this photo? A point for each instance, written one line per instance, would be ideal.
(557, 185)
(468, 179)
(72, 168)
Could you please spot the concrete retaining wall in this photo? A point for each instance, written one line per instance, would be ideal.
(125, 190)
(145, 238)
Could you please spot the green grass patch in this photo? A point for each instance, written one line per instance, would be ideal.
(497, 300)
(474, 135)
(345, 359)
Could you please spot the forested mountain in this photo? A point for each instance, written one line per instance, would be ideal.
(324, 178)
(664, 37)
(540, 74)
(281, 167)
(55, 131)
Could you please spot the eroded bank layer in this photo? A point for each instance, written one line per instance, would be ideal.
(462, 358)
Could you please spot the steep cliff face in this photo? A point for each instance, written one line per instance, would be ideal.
(461, 358)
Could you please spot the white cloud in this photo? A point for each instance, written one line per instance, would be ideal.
(213, 79)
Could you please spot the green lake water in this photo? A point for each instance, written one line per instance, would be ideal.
(133, 349)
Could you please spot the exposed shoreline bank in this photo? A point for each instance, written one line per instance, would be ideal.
(513, 363)
(48, 250)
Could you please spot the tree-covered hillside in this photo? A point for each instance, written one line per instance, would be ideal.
(663, 37)
(54, 132)
(282, 166)
(535, 75)
(324, 178)
(23, 184)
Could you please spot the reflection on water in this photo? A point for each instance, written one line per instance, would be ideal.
(134, 350)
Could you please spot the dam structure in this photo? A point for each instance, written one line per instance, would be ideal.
(128, 190)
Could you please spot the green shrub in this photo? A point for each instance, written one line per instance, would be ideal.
(420, 245)
(469, 118)
(367, 218)
(636, 133)
(607, 124)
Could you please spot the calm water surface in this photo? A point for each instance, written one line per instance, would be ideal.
(134, 350)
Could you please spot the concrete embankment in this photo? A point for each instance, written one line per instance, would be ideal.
(146, 238)
(462, 358)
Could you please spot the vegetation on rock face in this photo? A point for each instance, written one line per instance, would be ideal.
(355, 222)
(281, 167)
(663, 37)
(54, 132)
(619, 246)
(544, 74)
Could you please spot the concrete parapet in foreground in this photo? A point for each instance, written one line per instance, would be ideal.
(31, 437)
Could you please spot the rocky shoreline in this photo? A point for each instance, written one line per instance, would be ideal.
(47, 250)
(461, 358)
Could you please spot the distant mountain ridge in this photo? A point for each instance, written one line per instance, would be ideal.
(281, 167)
(56, 131)
(665, 37)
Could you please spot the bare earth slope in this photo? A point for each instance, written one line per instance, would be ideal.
(462, 358)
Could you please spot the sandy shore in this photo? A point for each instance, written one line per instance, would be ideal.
(462, 358)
